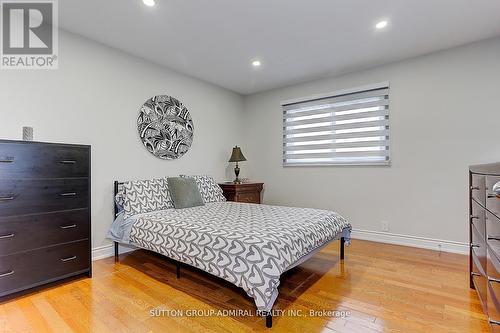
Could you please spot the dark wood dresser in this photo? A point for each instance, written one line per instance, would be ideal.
(44, 214)
(484, 231)
(243, 192)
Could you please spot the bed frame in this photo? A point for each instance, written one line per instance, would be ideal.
(269, 316)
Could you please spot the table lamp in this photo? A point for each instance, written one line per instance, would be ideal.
(237, 156)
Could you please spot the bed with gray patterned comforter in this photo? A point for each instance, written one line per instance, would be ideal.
(249, 245)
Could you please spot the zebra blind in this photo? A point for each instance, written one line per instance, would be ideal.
(346, 128)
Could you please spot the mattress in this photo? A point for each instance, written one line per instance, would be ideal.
(249, 245)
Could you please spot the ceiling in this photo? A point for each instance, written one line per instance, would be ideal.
(296, 40)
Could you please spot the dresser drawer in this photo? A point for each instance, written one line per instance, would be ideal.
(493, 233)
(478, 188)
(28, 232)
(480, 282)
(478, 217)
(493, 296)
(29, 196)
(25, 270)
(35, 160)
(492, 201)
(479, 247)
(493, 266)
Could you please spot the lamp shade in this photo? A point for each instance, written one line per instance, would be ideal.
(237, 155)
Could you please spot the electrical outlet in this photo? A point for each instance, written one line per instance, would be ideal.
(385, 226)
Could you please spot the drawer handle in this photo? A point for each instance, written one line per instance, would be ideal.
(68, 259)
(6, 274)
(67, 162)
(475, 274)
(475, 188)
(6, 199)
(494, 238)
(474, 217)
(493, 280)
(7, 236)
(68, 194)
(68, 226)
(7, 161)
(494, 322)
(475, 246)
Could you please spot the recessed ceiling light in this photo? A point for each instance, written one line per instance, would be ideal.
(381, 24)
(256, 63)
(149, 3)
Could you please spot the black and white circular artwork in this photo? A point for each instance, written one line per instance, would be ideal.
(165, 127)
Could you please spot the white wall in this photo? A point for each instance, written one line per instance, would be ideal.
(445, 115)
(94, 98)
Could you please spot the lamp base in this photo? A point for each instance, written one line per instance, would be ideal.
(237, 173)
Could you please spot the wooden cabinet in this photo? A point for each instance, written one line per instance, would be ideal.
(484, 236)
(44, 213)
(244, 192)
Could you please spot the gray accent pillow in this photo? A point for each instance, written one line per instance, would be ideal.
(184, 192)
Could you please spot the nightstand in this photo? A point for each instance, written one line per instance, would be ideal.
(244, 192)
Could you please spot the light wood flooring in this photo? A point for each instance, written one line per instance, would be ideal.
(385, 288)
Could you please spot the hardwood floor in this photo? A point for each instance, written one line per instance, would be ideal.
(385, 288)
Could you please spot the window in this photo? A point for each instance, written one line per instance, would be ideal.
(345, 128)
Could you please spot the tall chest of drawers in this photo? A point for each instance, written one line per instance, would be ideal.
(44, 214)
(484, 231)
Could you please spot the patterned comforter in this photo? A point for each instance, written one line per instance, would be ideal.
(248, 245)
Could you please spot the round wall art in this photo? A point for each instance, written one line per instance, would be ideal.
(165, 127)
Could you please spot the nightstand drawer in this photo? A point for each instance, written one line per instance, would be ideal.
(248, 197)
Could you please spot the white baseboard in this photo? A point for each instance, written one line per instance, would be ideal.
(413, 241)
(107, 251)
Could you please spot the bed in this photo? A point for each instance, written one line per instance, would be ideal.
(249, 245)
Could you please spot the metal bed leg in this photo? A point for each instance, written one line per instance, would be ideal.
(342, 241)
(269, 320)
(116, 251)
(178, 269)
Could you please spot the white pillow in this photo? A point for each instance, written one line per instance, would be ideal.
(209, 189)
(143, 196)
